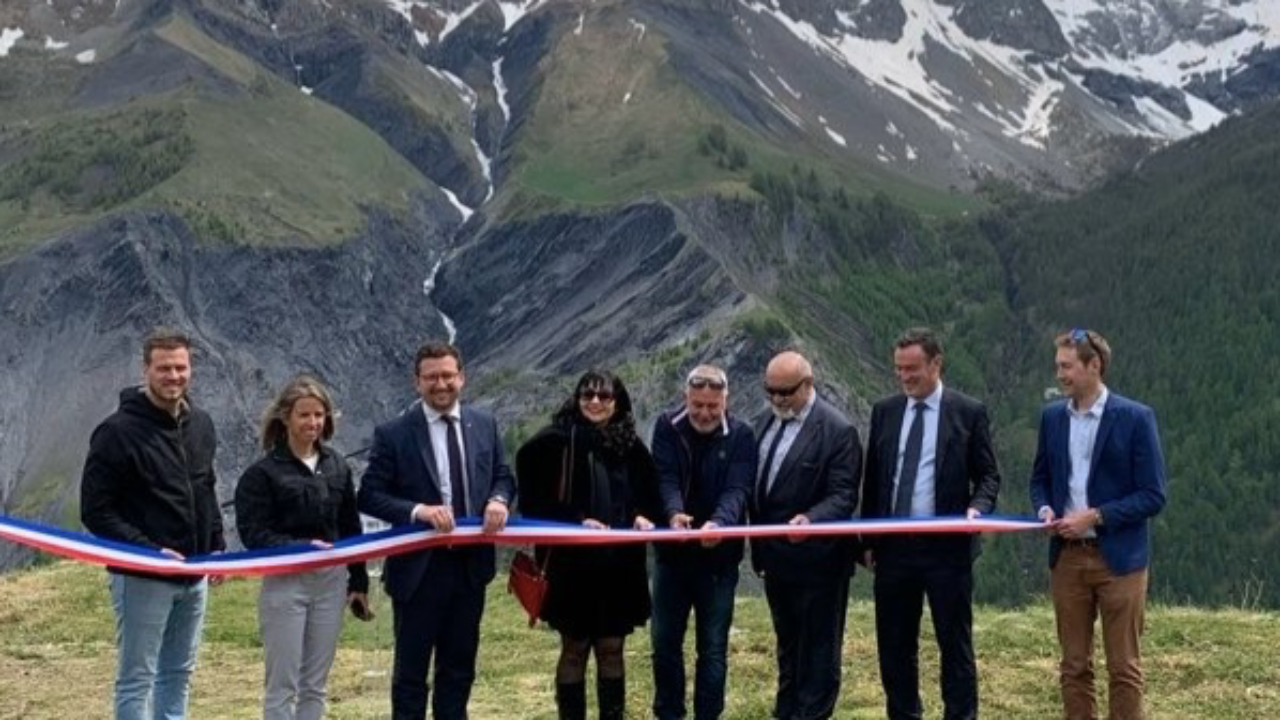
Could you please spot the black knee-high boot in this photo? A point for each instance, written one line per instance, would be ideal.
(612, 695)
(571, 700)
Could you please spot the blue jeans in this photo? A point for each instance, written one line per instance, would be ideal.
(157, 634)
(677, 589)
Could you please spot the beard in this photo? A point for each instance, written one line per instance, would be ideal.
(783, 413)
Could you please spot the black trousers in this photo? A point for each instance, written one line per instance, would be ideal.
(808, 620)
(442, 618)
(906, 574)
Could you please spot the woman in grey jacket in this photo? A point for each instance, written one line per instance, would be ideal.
(301, 493)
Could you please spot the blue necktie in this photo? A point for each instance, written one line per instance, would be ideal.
(910, 463)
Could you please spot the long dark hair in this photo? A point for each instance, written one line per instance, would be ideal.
(618, 435)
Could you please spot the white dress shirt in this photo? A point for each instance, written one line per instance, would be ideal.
(789, 434)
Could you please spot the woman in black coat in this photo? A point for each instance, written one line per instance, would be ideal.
(590, 467)
(299, 493)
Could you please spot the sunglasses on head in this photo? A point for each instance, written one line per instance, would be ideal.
(1080, 335)
(603, 396)
(699, 383)
(784, 392)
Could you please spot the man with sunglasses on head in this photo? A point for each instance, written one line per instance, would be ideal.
(810, 463)
(438, 462)
(1097, 480)
(706, 460)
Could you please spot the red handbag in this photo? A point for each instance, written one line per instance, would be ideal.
(526, 580)
(528, 583)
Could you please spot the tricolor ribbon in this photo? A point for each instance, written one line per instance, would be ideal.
(410, 538)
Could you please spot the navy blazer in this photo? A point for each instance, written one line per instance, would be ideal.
(965, 470)
(1126, 478)
(818, 478)
(402, 473)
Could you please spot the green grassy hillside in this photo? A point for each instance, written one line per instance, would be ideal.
(262, 164)
(56, 630)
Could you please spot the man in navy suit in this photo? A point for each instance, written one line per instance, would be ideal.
(929, 455)
(434, 464)
(1097, 480)
(810, 462)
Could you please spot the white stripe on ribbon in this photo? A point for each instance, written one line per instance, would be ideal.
(404, 539)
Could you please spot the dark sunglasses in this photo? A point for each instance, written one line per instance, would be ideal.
(784, 392)
(699, 383)
(603, 396)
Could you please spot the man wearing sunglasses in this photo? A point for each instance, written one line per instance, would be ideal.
(811, 460)
(929, 454)
(1097, 480)
(706, 460)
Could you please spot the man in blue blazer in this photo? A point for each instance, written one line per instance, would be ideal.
(434, 464)
(1098, 478)
(929, 454)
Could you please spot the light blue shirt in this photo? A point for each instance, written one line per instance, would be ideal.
(788, 439)
(1081, 438)
(923, 499)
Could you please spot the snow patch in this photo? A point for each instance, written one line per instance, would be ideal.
(429, 286)
(512, 12)
(893, 129)
(305, 90)
(836, 137)
(87, 57)
(51, 44)
(639, 27)
(463, 210)
(582, 19)
(500, 89)
(8, 38)
(911, 153)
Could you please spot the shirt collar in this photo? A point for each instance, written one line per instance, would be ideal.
(1094, 410)
(933, 400)
(433, 415)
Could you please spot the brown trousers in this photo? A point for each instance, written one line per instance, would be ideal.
(1084, 588)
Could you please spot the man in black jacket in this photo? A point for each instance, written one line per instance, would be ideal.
(810, 463)
(929, 454)
(149, 481)
(705, 461)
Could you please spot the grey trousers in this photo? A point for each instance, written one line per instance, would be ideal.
(300, 616)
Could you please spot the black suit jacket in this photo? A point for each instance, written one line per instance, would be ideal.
(965, 476)
(402, 473)
(818, 478)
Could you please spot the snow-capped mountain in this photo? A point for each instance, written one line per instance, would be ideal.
(953, 89)
(1049, 92)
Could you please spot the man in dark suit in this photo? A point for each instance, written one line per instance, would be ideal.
(436, 463)
(1097, 480)
(810, 463)
(929, 455)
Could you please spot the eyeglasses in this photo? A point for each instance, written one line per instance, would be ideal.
(443, 377)
(603, 396)
(699, 383)
(784, 392)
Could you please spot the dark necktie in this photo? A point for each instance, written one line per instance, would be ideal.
(768, 458)
(456, 486)
(910, 463)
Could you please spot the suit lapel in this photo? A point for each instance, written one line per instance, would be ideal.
(422, 437)
(889, 452)
(808, 431)
(946, 423)
(1100, 439)
(469, 447)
